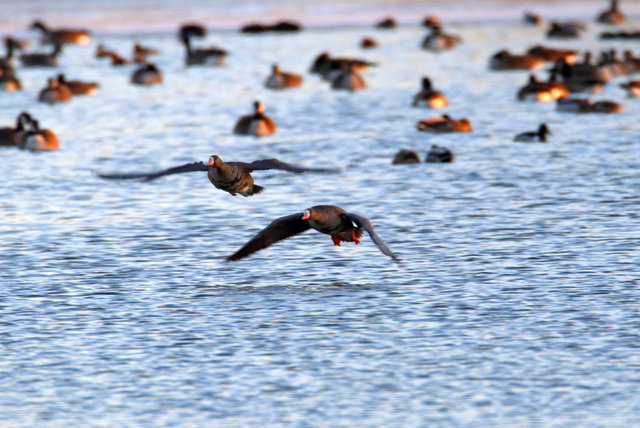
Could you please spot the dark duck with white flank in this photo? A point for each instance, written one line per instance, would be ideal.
(232, 177)
(328, 219)
(439, 154)
(348, 79)
(534, 136)
(429, 97)
(147, 75)
(257, 124)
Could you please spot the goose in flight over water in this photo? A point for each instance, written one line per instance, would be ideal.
(329, 219)
(232, 177)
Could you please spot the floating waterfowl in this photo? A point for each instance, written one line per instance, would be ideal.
(280, 79)
(13, 136)
(613, 15)
(632, 87)
(38, 140)
(8, 81)
(565, 30)
(405, 157)
(368, 43)
(62, 36)
(78, 87)
(553, 54)
(549, 91)
(531, 18)
(103, 52)
(532, 136)
(278, 27)
(147, 75)
(348, 79)
(55, 92)
(212, 55)
(504, 60)
(257, 124)
(329, 67)
(387, 23)
(584, 105)
(429, 97)
(444, 124)
(37, 59)
(438, 41)
(439, 154)
(231, 177)
(328, 219)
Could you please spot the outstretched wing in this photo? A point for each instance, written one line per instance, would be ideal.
(188, 167)
(277, 164)
(279, 229)
(363, 222)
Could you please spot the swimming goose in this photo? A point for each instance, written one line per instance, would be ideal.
(633, 87)
(212, 55)
(531, 136)
(37, 139)
(548, 91)
(584, 105)
(565, 30)
(231, 177)
(429, 97)
(613, 15)
(328, 219)
(62, 36)
(439, 154)
(387, 23)
(55, 92)
(329, 67)
(281, 80)
(531, 18)
(147, 75)
(13, 136)
(553, 54)
(504, 60)
(444, 124)
(405, 157)
(257, 124)
(368, 43)
(8, 81)
(348, 79)
(37, 59)
(79, 87)
(438, 41)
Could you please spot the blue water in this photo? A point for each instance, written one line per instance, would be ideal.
(516, 305)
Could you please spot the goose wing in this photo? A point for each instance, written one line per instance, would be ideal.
(363, 222)
(279, 229)
(147, 176)
(278, 164)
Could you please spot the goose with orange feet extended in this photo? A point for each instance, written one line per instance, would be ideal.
(332, 220)
(232, 177)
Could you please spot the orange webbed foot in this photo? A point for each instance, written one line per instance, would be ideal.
(355, 238)
(233, 194)
(336, 240)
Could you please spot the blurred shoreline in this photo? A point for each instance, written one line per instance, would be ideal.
(145, 16)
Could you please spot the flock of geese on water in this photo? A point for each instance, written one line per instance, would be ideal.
(567, 75)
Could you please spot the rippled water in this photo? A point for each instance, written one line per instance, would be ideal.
(516, 305)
